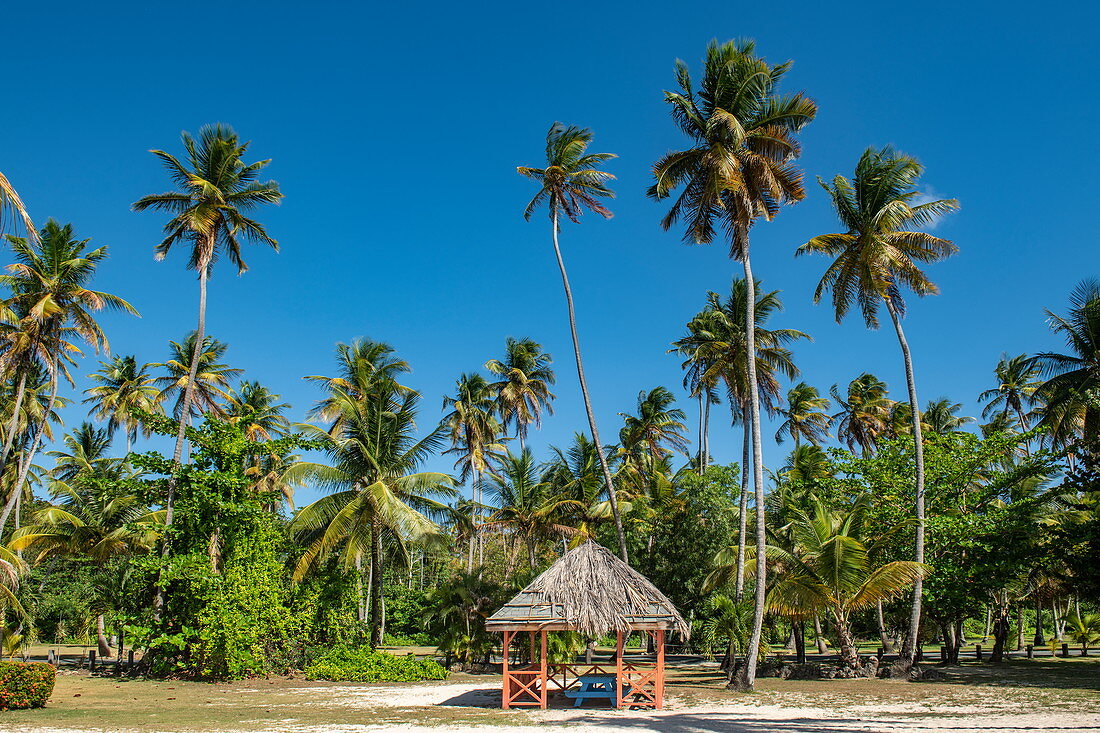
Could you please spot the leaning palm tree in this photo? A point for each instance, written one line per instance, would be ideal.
(1070, 392)
(523, 391)
(804, 416)
(571, 183)
(216, 190)
(50, 307)
(739, 169)
(874, 259)
(865, 413)
(124, 389)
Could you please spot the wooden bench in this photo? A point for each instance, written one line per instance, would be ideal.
(594, 687)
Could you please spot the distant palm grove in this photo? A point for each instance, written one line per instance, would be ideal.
(894, 521)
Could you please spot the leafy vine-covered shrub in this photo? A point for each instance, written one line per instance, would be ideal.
(25, 685)
(363, 664)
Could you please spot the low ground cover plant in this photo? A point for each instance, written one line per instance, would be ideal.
(362, 664)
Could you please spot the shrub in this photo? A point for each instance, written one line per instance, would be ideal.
(363, 664)
(25, 685)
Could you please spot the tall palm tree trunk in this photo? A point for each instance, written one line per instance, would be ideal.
(748, 673)
(181, 432)
(587, 400)
(706, 431)
(743, 505)
(912, 639)
(376, 584)
(702, 442)
(13, 423)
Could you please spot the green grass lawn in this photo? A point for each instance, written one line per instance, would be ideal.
(81, 702)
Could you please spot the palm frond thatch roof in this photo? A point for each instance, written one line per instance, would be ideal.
(589, 590)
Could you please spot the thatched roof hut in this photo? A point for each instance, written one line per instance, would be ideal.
(591, 591)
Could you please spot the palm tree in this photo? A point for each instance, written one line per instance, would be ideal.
(739, 169)
(87, 453)
(656, 431)
(699, 377)
(123, 389)
(873, 260)
(1015, 391)
(808, 464)
(719, 341)
(1072, 380)
(523, 391)
(525, 503)
(864, 414)
(50, 307)
(576, 476)
(475, 434)
(378, 495)
(941, 416)
(835, 573)
(258, 411)
(197, 387)
(804, 416)
(87, 522)
(571, 183)
(215, 191)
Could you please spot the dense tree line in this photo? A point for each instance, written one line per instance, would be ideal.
(891, 519)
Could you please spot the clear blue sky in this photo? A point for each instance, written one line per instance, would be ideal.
(395, 131)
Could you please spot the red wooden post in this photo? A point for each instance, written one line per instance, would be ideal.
(506, 691)
(660, 681)
(618, 669)
(542, 669)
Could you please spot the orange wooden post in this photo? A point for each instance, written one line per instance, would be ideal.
(542, 669)
(618, 669)
(660, 681)
(506, 692)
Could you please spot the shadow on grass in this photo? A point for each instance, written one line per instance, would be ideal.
(1067, 674)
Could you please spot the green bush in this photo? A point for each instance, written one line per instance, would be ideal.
(363, 664)
(25, 685)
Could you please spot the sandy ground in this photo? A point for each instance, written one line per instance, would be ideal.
(474, 706)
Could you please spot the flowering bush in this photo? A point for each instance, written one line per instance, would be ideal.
(25, 685)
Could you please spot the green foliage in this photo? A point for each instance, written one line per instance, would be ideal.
(25, 685)
(1084, 630)
(229, 609)
(699, 525)
(242, 622)
(459, 608)
(363, 664)
(406, 609)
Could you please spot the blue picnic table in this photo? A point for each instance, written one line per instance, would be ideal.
(595, 686)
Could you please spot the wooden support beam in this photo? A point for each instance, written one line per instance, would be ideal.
(659, 701)
(542, 669)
